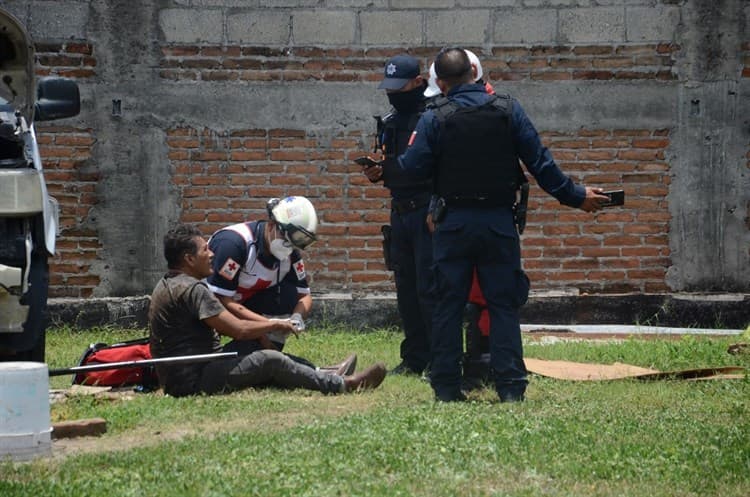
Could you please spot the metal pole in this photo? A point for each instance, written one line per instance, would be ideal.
(143, 362)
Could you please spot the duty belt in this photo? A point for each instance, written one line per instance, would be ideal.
(476, 202)
(402, 206)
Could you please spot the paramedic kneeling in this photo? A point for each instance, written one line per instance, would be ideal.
(259, 273)
(469, 144)
(184, 314)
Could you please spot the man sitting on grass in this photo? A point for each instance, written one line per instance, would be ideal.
(186, 318)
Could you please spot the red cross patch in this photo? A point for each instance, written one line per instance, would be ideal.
(229, 269)
(299, 268)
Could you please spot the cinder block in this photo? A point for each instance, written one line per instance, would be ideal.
(651, 23)
(191, 25)
(332, 27)
(391, 28)
(525, 26)
(259, 27)
(53, 20)
(592, 25)
(467, 27)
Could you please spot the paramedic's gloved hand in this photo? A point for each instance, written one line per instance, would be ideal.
(297, 321)
(284, 328)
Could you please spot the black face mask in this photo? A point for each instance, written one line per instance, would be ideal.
(407, 101)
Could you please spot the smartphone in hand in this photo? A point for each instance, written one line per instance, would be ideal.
(616, 197)
(365, 161)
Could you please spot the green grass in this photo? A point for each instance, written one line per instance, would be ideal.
(618, 438)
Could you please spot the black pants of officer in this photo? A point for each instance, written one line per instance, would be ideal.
(411, 256)
(484, 238)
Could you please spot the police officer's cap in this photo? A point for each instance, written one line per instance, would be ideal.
(399, 70)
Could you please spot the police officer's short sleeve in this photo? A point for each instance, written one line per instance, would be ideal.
(230, 253)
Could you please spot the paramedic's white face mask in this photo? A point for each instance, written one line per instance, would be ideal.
(280, 248)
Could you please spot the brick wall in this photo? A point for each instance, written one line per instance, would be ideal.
(73, 59)
(616, 250)
(512, 63)
(222, 173)
(71, 177)
(227, 177)
(746, 74)
(72, 180)
(582, 62)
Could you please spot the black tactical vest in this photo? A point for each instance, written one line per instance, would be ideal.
(393, 140)
(476, 158)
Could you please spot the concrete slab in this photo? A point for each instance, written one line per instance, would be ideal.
(622, 329)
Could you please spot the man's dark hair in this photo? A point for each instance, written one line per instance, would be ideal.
(453, 66)
(179, 241)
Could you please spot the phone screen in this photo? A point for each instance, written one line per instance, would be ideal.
(365, 161)
(616, 197)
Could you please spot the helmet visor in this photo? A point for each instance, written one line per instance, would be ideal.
(298, 236)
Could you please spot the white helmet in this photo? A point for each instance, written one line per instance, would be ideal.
(432, 87)
(474, 60)
(296, 218)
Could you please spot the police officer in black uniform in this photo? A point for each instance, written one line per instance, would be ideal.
(407, 242)
(470, 143)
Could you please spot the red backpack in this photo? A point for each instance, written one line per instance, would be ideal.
(132, 350)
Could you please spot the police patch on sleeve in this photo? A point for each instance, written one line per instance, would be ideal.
(229, 269)
(299, 268)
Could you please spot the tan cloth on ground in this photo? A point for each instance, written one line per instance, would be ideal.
(578, 371)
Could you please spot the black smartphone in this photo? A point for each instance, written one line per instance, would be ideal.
(365, 161)
(616, 197)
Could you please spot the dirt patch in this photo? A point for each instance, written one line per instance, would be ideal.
(313, 407)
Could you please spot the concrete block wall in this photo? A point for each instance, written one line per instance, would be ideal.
(200, 110)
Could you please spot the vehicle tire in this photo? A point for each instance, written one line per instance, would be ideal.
(36, 324)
